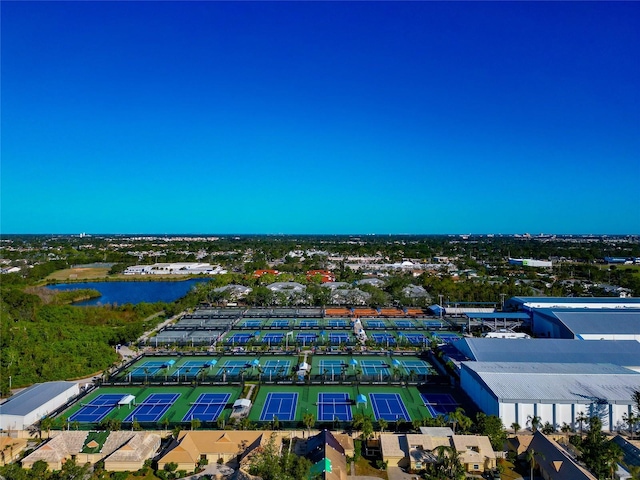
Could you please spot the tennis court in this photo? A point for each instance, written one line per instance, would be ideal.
(389, 406)
(306, 338)
(280, 405)
(153, 408)
(251, 323)
(97, 409)
(232, 367)
(433, 324)
(374, 367)
(273, 367)
(383, 338)
(439, 403)
(418, 366)
(404, 324)
(334, 406)
(447, 337)
(189, 369)
(374, 324)
(279, 323)
(308, 323)
(207, 407)
(331, 366)
(337, 338)
(272, 338)
(148, 368)
(339, 323)
(414, 338)
(239, 338)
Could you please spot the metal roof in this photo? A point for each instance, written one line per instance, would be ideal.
(603, 321)
(552, 300)
(625, 353)
(29, 399)
(584, 383)
(498, 315)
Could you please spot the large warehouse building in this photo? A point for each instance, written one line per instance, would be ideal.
(31, 404)
(526, 304)
(624, 353)
(554, 392)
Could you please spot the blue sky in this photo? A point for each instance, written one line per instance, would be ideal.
(334, 117)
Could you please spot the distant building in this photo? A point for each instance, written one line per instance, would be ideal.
(179, 268)
(325, 275)
(259, 273)
(529, 262)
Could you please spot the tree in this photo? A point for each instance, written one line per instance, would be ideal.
(631, 420)
(581, 418)
(531, 458)
(45, 424)
(383, 424)
(491, 426)
(515, 426)
(308, 420)
(534, 421)
(195, 423)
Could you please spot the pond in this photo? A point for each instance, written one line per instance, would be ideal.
(133, 292)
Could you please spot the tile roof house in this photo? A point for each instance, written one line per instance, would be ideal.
(554, 463)
(328, 457)
(216, 445)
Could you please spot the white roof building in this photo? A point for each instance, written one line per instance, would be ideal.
(32, 404)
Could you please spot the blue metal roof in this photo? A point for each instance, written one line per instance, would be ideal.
(625, 353)
(29, 399)
(607, 321)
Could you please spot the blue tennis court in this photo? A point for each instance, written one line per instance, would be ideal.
(331, 366)
(374, 324)
(418, 366)
(207, 407)
(308, 323)
(273, 367)
(447, 337)
(252, 323)
(153, 408)
(389, 406)
(334, 406)
(97, 409)
(280, 323)
(415, 338)
(306, 338)
(404, 323)
(433, 324)
(337, 338)
(281, 405)
(336, 323)
(151, 368)
(232, 367)
(239, 338)
(272, 338)
(439, 403)
(374, 367)
(188, 369)
(383, 338)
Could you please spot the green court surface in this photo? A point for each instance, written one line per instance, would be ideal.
(175, 413)
(307, 399)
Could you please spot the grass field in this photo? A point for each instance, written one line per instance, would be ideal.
(79, 274)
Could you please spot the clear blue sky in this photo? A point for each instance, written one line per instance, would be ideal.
(277, 117)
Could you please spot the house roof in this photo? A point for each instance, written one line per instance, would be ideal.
(35, 396)
(473, 448)
(552, 459)
(583, 383)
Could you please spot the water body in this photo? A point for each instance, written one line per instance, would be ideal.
(133, 292)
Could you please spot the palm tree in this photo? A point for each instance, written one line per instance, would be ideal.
(195, 423)
(383, 424)
(515, 426)
(581, 418)
(531, 458)
(455, 418)
(308, 420)
(534, 421)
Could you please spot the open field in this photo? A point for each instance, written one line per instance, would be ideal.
(79, 274)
